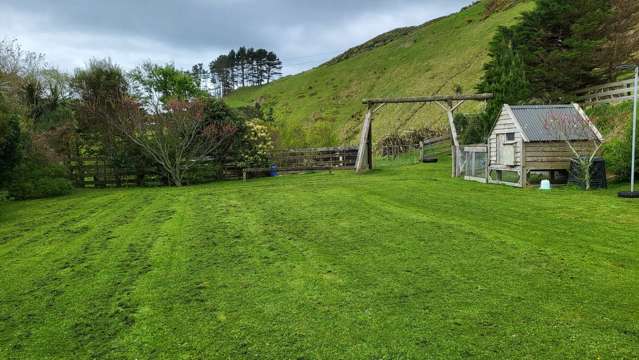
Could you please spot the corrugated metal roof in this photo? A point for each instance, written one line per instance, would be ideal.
(545, 122)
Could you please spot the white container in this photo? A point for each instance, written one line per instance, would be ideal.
(545, 185)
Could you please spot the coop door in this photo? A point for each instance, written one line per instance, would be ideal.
(505, 150)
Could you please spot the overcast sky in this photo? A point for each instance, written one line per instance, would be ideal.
(303, 33)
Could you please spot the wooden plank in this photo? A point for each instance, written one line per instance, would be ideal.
(611, 94)
(548, 159)
(532, 166)
(629, 83)
(362, 162)
(523, 161)
(611, 100)
(558, 146)
(405, 100)
(475, 148)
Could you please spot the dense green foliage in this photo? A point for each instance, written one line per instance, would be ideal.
(402, 263)
(615, 122)
(10, 139)
(558, 43)
(36, 178)
(100, 86)
(152, 82)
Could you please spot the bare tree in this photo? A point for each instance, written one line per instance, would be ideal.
(176, 137)
(573, 128)
(15, 61)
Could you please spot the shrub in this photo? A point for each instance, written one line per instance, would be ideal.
(470, 128)
(35, 178)
(614, 121)
(257, 144)
(617, 153)
(10, 138)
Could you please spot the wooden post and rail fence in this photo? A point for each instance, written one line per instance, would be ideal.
(99, 172)
(608, 93)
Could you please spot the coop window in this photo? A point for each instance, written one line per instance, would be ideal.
(510, 137)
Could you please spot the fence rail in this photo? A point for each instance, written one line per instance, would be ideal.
(608, 93)
(426, 146)
(98, 172)
(340, 158)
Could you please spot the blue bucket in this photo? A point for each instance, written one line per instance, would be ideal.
(274, 170)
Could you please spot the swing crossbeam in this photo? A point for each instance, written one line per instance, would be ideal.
(425, 99)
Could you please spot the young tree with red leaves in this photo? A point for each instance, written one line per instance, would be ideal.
(571, 129)
(176, 137)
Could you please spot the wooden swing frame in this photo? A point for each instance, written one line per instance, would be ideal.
(448, 103)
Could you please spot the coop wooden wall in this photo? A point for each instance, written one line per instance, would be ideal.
(505, 125)
(554, 155)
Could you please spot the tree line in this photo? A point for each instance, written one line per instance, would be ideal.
(155, 116)
(239, 68)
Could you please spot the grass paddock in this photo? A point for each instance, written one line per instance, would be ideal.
(400, 263)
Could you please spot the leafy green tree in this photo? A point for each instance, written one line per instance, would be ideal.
(47, 96)
(100, 87)
(159, 84)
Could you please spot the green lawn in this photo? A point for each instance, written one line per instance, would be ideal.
(401, 263)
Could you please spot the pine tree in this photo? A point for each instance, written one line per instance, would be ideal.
(505, 77)
(244, 67)
(260, 66)
(252, 66)
(622, 37)
(553, 52)
(242, 63)
(199, 74)
(558, 43)
(232, 69)
(273, 67)
(222, 73)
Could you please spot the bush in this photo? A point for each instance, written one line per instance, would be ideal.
(34, 179)
(257, 144)
(470, 128)
(614, 121)
(9, 143)
(618, 157)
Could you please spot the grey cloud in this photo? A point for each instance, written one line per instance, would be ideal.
(181, 30)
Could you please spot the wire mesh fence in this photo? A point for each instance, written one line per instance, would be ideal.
(401, 155)
(473, 162)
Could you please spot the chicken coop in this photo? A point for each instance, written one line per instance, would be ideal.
(537, 138)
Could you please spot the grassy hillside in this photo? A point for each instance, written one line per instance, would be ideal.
(323, 106)
(401, 263)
